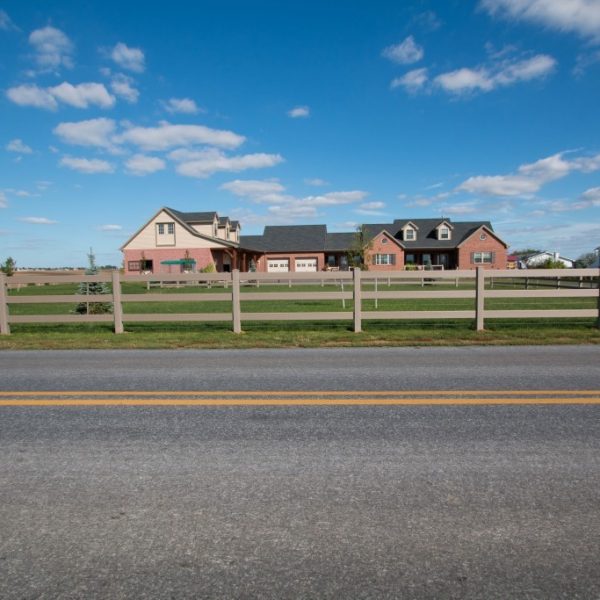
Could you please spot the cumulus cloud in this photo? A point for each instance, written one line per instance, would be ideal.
(412, 81)
(405, 53)
(316, 182)
(38, 220)
(167, 136)
(591, 197)
(140, 164)
(110, 227)
(18, 146)
(53, 49)
(299, 112)
(285, 208)
(86, 165)
(122, 86)
(203, 163)
(83, 95)
(130, 59)
(32, 95)
(486, 79)
(181, 105)
(92, 132)
(581, 17)
(529, 178)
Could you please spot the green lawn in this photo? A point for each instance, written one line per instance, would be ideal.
(295, 333)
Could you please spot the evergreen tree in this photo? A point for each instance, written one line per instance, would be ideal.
(93, 288)
(8, 266)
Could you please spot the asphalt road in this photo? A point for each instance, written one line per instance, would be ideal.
(295, 501)
(496, 368)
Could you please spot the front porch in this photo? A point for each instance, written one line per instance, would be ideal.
(432, 259)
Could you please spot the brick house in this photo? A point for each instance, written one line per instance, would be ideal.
(173, 242)
(418, 243)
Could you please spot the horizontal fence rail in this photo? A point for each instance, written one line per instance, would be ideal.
(353, 289)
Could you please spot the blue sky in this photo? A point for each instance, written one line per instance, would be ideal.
(296, 112)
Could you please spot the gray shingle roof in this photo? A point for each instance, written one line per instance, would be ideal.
(195, 217)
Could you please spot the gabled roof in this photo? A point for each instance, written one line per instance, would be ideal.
(181, 217)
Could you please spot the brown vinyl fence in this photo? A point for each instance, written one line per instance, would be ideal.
(352, 288)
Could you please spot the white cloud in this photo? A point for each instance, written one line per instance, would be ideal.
(285, 208)
(575, 16)
(254, 188)
(110, 228)
(86, 165)
(460, 208)
(316, 182)
(591, 196)
(83, 94)
(131, 59)
(372, 205)
(52, 47)
(3, 202)
(17, 145)
(412, 81)
(529, 177)
(405, 53)
(140, 164)
(6, 23)
(505, 73)
(93, 132)
(204, 163)
(38, 220)
(168, 136)
(181, 105)
(299, 112)
(122, 86)
(32, 95)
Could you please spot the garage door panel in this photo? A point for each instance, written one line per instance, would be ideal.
(278, 265)
(306, 265)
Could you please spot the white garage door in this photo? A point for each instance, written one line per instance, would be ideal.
(304, 265)
(278, 265)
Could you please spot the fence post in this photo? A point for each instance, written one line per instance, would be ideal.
(357, 301)
(117, 304)
(598, 284)
(479, 298)
(235, 301)
(4, 326)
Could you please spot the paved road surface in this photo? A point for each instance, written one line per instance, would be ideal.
(541, 367)
(421, 501)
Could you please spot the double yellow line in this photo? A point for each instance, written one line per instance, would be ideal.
(297, 398)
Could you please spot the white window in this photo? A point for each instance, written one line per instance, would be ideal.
(384, 259)
(483, 257)
(170, 228)
(161, 229)
(444, 233)
(410, 234)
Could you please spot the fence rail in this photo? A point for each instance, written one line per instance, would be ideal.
(355, 287)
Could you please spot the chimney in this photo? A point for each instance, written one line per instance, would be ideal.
(556, 256)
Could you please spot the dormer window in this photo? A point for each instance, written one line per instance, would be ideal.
(444, 231)
(410, 235)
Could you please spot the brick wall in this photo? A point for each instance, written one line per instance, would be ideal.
(202, 256)
(476, 244)
(383, 244)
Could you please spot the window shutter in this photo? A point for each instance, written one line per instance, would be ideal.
(493, 257)
(472, 258)
(393, 261)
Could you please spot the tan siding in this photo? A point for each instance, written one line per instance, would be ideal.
(146, 239)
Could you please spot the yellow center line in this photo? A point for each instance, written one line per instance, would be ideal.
(272, 401)
(294, 393)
